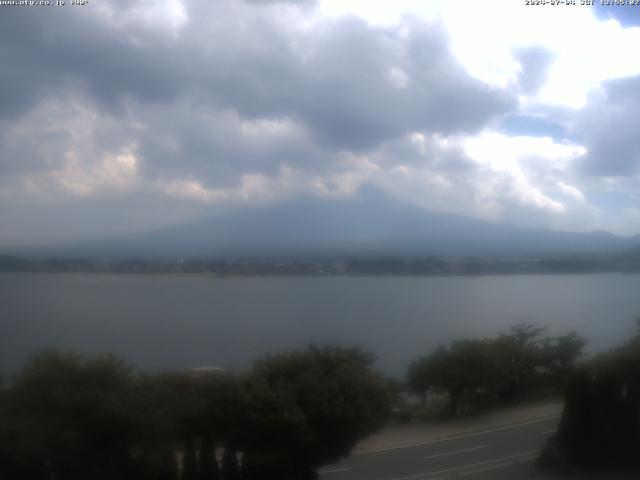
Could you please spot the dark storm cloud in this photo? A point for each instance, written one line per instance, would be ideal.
(73, 48)
(357, 105)
(244, 60)
(422, 151)
(610, 129)
(41, 139)
(213, 93)
(337, 84)
(215, 147)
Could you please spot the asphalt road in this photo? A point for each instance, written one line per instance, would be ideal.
(506, 452)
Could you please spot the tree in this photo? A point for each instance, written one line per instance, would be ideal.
(421, 376)
(156, 407)
(208, 468)
(600, 424)
(191, 411)
(6, 460)
(71, 418)
(462, 371)
(560, 357)
(230, 467)
(224, 405)
(480, 372)
(309, 408)
(189, 461)
(517, 354)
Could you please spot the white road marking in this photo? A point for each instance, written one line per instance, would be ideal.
(497, 429)
(476, 471)
(456, 451)
(500, 462)
(334, 470)
(456, 437)
(548, 432)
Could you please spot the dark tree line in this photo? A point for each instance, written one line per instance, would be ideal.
(476, 373)
(68, 418)
(600, 424)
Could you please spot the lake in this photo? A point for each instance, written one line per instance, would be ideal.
(181, 321)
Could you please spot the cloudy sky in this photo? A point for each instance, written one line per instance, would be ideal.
(123, 116)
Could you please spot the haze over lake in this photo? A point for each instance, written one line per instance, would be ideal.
(176, 322)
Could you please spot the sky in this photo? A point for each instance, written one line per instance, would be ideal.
(125, 116)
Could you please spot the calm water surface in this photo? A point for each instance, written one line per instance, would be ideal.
(169, 322)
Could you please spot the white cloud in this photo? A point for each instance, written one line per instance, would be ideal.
(521, 180)
(166, 15)
(571, 191)
(268, 127)
(398, 78)
(502, 152)
(383, 13)
(261, 189)
(587, 50)
(201, 104)
(114, 172)
(525, 167)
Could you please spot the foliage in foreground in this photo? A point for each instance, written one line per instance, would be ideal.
(69, 418)
(600, 425)
(476, 373)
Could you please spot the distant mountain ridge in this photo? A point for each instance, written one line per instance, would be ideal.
(368, 224)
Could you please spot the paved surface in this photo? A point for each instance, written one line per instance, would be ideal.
(503, 445)
(413, 434)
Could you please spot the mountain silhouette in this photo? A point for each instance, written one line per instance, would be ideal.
(369, 223)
